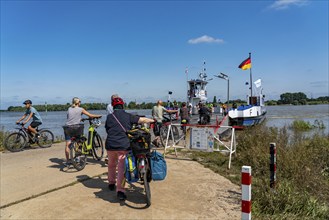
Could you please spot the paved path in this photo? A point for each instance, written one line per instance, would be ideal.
(34, 185)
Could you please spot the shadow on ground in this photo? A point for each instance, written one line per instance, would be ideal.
(135, 192)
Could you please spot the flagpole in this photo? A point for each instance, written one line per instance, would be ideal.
(186, 71)
(250, 77)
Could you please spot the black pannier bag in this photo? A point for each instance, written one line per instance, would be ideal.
(140, 140)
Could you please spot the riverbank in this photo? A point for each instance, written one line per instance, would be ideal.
(302, 189)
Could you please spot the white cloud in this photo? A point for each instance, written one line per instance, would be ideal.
(205, 39)
(284, 4)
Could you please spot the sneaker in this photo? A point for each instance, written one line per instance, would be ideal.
(121, 196)
(111, 187)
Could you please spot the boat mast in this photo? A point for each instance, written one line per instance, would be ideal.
(187, 85)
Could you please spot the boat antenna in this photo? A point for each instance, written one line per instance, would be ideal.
(203, 74)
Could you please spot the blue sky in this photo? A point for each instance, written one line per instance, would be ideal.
(52, 51)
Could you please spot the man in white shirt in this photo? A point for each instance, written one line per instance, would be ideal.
(109, 108)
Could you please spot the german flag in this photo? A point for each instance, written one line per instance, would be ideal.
(246, 64)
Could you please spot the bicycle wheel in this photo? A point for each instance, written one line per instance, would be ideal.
(147, 187)
(15, 142)
(175, 132)
(46, 138)
(164, 133)
(78, 159)
(98, 147)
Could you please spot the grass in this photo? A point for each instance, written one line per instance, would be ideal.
(302, 188)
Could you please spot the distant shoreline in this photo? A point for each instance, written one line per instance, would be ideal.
(21, 109)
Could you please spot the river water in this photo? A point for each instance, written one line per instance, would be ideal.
(277, 116)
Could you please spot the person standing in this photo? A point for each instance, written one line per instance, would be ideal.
(157, 114)
(74, 115)
(31, 112)
(184, 115)
(117, 143)
(109, 108)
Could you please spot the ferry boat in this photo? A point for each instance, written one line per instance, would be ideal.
(251, 114)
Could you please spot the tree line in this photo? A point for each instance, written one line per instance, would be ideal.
(288, 98)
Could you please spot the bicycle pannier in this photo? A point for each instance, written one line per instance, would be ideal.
(158, 166)
(131, 172)
(140, 140)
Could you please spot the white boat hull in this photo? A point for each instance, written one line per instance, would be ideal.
(245, 116)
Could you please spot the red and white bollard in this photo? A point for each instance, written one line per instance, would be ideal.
(246, 192)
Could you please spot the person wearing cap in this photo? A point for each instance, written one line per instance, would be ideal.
(31, 112)
(74, 115)
(117, 143)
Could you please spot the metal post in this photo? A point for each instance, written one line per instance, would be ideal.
(228, 92)
(272, 165)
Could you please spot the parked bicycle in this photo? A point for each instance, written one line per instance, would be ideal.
(81, 147)
(140, 139)
(16, 141)
(164, 130)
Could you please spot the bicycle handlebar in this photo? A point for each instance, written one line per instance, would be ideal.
(89, 119)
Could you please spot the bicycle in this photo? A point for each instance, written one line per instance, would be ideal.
(81, 146)
(164, 130)
(16, 141)
(140, 139)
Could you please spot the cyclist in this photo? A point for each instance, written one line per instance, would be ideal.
(184, 115)
(204, 112)
(157, 114)
(31, 112)
(74, 115)
(118, 144)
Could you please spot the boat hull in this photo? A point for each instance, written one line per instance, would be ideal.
(246, 116)
(246, 121)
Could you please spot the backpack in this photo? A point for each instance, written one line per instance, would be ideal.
(131, 171)
(140, 140)
(158, 166)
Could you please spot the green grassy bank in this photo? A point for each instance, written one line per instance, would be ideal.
(302, 189)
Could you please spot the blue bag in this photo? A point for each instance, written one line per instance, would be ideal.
(131, 171)
(158, 166)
